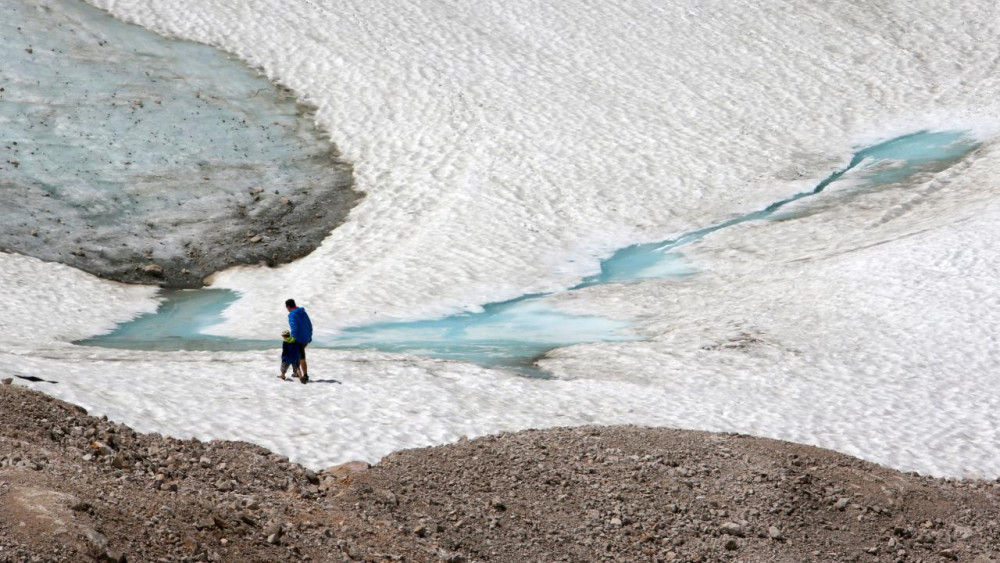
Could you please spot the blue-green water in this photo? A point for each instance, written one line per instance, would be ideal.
(510, 334)
(513, 334)
(890, 162)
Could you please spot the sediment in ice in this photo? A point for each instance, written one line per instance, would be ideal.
(144, 159)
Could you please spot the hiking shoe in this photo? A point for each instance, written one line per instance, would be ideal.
(305, 378)
(282, 377)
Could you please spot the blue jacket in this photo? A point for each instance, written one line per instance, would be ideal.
(289, 351)
(302, 328)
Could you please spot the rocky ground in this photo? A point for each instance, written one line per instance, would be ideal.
(77, 488)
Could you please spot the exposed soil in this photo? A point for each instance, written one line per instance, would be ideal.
(78, 488)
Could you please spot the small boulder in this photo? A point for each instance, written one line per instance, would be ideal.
(274, 529)
(385, 496)
(204, 524)
(964, 532)
(328, 483)
(345, 472)
(98, 543)
(112, 556)
(119, 462)
(732, 529)
(154, 270)
(101, 448)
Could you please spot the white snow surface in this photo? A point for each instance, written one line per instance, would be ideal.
(505, 146)
(46, 304)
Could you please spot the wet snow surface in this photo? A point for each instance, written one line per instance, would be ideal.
(122, 149)
(507, 148)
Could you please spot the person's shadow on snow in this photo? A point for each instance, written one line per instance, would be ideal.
(311, 381)
(34, 379)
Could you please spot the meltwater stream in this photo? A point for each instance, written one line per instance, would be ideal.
(513, 334)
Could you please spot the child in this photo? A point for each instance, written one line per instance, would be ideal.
(289, 356)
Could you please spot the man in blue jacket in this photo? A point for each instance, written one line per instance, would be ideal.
(302, 332)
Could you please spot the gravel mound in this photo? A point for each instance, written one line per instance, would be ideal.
(77, 488)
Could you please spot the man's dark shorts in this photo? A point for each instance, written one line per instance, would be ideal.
(302, 350)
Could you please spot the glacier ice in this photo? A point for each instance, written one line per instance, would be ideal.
(122, 149)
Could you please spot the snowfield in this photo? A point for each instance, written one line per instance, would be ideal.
(505, 147)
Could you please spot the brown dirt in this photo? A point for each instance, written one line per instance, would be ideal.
(78, 488)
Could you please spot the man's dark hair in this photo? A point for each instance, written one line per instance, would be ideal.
(290, 303)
